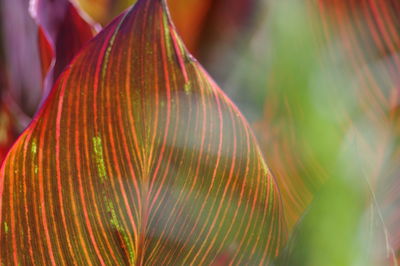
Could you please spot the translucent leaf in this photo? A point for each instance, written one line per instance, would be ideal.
(138, 157)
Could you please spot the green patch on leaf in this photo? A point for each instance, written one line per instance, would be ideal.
(117, 225)
(6, 227)
(34, 147)
(188, 87)
(98, 152)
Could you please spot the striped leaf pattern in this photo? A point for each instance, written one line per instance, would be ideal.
(368, 33)
(137, 157)
(298, 181)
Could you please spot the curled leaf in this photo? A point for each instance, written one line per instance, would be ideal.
(45, 52)
(21, 61)
(137, 157)
(62, 34)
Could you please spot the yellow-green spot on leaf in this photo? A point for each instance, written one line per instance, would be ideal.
(5, 227)
(188, 87)
(109, 48)
(98, 152)
(34, 150)
(116, 224)
(34, 147)
(167, 37)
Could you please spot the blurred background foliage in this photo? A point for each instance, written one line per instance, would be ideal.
(317, 79)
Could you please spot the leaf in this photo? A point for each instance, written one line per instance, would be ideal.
(66, 33)
(207, 27)
(368, 34)
(298, 143)
(7, 131)
(298, 178)
(8, 123)
(189, 16)
(104, 11)
(138, 157)
(20, 51)
(45, 52)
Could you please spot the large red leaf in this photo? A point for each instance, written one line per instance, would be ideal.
(138, 157)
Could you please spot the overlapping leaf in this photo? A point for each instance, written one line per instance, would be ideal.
(22, 66)
(208, 28)
(298, 173)
(138, 158)
(368, 34)
(8, 123)
(189, 16)
(7, 132)
(293, 135)
(45, 52)
(62, 34)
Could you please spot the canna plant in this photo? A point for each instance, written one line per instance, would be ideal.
(137, 157)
